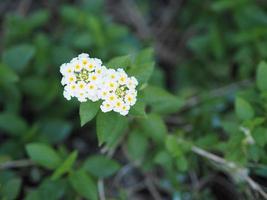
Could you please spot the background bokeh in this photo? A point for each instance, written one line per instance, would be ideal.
(206, 54)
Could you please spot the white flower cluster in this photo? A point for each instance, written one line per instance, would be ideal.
(87, 79)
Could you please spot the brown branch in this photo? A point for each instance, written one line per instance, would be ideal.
(231, 166)
(16, 164)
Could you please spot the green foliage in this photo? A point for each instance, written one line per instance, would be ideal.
(137, 139)
(100, 166)
(12, 124)
(18, 57)
(110, 127)
(43, 155)
(88, 111)
(83, 184)
(161, 101)
(154, 127)
(120, 62)
(261, 76)
(66, 166)
(243, 109)
(11, 189)
(205, 92)
(7, 75)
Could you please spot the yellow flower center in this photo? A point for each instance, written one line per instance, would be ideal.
(81, 86)
(107, 105)
(90, 66)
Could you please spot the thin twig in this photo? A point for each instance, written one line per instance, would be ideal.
(16, 164)
(101, 189)
(254, 185)
(152, 188)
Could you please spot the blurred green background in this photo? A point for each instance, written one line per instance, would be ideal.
(206, 52)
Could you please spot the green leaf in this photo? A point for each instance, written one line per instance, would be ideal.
(101, 166)
(163, 158)
(18, 57)
(243, 109)
(43, 155)
(143, 66)
(39, 18)
(162, 101)
(182, 163)
(154, 127)
(120, 62)
(138, 110)
(83, 184)
(137, 139)
(65, 167)
(172, 146)
(88, 111)
(10, 190)
(262, 76)
(110, 126)
(56, 190)
(260, 136)
(12, 124)
(7, 75)
(54, 130)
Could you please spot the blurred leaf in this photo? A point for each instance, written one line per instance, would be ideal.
(143, 66)
(43, 155)
(83, 41)
(182, 163)
(12, 124)
(88, 111)
(110, 126)
(177, 146)
(161, 101)
(62, 54)
(101, 166)
(55, 189)
(260, 136)
(261, 76)
(66, 166)
(7, 75)
(138, 110)
(172, 146)
(120, 62)
(55, 130)
(154, 127)
(71, 14)
(137, 139)
(243, 109)
(163, 158)
(83, 184)
(222, 5)
(34, 86)
(38, 18)
(11, 189)
(18, 57)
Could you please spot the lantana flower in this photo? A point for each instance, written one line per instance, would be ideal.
(88, 80)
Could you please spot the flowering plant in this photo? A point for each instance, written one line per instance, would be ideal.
(87, 79)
